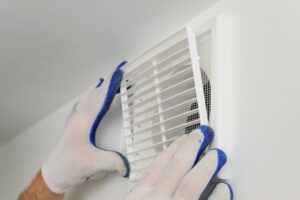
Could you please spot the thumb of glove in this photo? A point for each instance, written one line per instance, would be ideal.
(106, 160)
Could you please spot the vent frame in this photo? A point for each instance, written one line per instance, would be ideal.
(188, 35)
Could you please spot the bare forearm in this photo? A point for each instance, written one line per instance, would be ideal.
(38, 190)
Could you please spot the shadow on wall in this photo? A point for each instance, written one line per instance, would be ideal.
(110, 133)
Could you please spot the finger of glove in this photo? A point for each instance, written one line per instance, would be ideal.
(106, 160)
(155, 170)
(222, 191)
(94, 96)
(103, 98)
(196, 181)
(184, 159)
(104, 93)
(84, 98)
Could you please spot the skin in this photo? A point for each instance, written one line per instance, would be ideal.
(38, 190)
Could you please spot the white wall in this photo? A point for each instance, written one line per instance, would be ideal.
(21, 158)
(266, 68)
(266, 94)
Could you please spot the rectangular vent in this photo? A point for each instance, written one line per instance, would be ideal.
(165, 94)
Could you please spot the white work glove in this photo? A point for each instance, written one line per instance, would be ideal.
(76, 157)
(181, 173)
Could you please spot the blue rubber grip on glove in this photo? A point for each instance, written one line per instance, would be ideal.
(113, 88)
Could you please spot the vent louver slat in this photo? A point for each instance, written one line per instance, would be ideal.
(160, 99)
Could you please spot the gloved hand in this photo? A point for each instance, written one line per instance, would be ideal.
(181, 173)
(75, 157)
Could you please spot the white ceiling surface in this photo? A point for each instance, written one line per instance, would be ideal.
(51, 50)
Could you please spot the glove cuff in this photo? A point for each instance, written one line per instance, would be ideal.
(49, 179)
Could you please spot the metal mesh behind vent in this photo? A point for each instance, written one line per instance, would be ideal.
(207, 95)
(159, 100)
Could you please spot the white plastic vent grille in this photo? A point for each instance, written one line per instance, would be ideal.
(163, 98)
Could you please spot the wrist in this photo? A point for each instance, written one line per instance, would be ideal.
(39, 190)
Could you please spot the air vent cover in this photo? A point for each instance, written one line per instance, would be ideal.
(164, 94)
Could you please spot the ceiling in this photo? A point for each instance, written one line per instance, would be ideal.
(51, 50)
